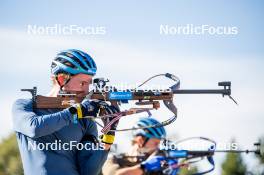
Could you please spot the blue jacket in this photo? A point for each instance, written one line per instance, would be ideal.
(35, 128)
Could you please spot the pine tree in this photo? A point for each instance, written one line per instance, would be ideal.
(233, 164)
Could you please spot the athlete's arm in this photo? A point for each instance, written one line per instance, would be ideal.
(28, 123)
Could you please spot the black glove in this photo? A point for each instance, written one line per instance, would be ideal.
(84, 109)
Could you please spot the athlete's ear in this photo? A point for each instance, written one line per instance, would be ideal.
(53, 80)
(139, 140)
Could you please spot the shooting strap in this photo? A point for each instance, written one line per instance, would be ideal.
(76, 111)
(79, 111)
(115, 119)
(168, 103)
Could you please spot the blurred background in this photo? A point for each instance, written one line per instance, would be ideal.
(126, 42)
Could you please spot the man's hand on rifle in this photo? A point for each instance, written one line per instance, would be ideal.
(83, 109)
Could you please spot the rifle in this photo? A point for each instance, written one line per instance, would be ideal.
(187, 157)
(142, 97)
(175, 158)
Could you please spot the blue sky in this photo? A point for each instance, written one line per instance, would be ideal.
(133, 49)
(138, 21)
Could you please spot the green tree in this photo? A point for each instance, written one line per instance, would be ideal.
(10, 162)
(188, 171)
(233, 164)
(259, 168)
(261, 157)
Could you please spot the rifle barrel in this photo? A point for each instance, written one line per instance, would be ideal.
(203, 91)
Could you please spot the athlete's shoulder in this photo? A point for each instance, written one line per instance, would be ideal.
(22, 103)
(20, 106)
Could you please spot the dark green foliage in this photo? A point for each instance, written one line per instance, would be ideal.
(10, 162)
